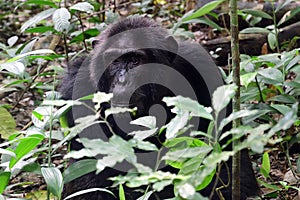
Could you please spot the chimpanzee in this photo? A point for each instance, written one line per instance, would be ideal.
(140, 63)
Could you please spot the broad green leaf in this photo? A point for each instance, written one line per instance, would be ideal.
(176, 124)
(222, 96)
(7, 125)
(258, 13)
(121, 192)
(186, 190)
(37, 18)
(255, 30)
(203, 10)
(16, 68)
(101, 97)
(182, 154)
(12, 40)
(141, 135)
(143, 145)
(61, 19)
(54, 180)
(25, 146)
(187, 104)
(83, 7)
(247, 78)
(4, 179)
(147, 121)
(79, 168)
(265, 166)
(236, 115)
(272, 73)
(85, 35)
(272, 40)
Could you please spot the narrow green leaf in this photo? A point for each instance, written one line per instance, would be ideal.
(203, 10)
(38, 2)
(121, 192)
(4, 179)
(39, 51)
(255, 30)
(40, 29)
(265, 166)
(258, 13)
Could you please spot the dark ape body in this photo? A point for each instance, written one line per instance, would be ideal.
(128, 55)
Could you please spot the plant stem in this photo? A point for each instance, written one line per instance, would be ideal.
(236, 100)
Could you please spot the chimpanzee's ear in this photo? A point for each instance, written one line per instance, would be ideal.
(172, 46)
(95, 43)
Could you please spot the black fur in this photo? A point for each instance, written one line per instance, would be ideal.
(151, 94)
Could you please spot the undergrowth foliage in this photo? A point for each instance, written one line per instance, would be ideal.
(270, 93)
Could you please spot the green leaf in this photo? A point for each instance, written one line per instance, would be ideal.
(37, 18)
(38, 2)
(121, 192)
(176, 124)
(143, 145)
(25, 146)
(222, 96)
(83, 7)
(61, 19)
(54, 180)
(270, 186)
(87, 191)
(39, 51)
(7, 125)
(4, 179)
(283, 109)
(146, 196)
(255, 30)
(40, 29)
(247, 78)
(85, 35)
(79, 168)
(265, 166)
(272, 73)
(117, 110)
(16, 68)
(288, 15)
(141, 135)
(203, 10)
(283, 4)
(283, 98)
(147, 121)
(287, 121)
(187, 104)
(258, 13)
(272, 40)
(101, 97)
